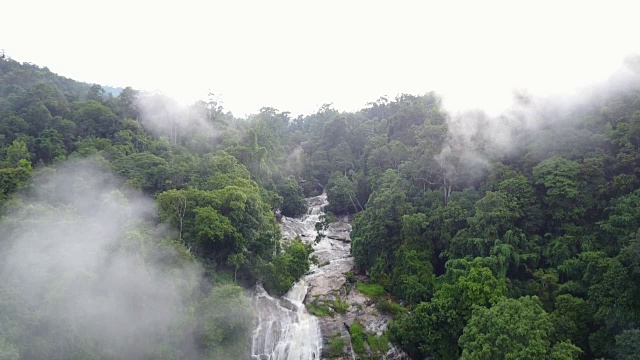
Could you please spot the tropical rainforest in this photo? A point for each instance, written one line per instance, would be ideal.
(496, 237)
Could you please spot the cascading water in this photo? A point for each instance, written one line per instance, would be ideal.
(286, 331)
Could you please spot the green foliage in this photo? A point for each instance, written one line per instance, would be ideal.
(434, 327)
(350, 277)
(93, 118)
(287, 267)
(323, 307)
(293, 203)
(229, 220)
(358, 337)
(494, 215)
(376, 230)
(370, 289)
(340, 306)
(565, 351)
(623, 220)
(389, 307)
(571, 319)
(559, 179)
(413, 276)
(379, 344)
(16, 152)
(336, 346)
(224, 319)
(555, 217)
(11, 180)
(511, 329)
(144, 171)
(342, 195)
(628, 345)
(50, 146)
(318, 309)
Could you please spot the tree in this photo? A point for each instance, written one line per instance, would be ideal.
(293, 203)
(558, 178)
(49, 146)
(376, 232)
(236, 260)
(341, 194)
(628, 345)
(435, 326)
(215, 234)
(412, 276)
(511, 329)
(494, 215)
(622, 222)
(223, 321)
(96, 93)
(521, 189)
(17, 151)
(565, 350)
(12, 126)
(342, 159)
(280, 275)
(93, 118)
(128, 103)
(173, 205)
(571, 319)
(143, 170)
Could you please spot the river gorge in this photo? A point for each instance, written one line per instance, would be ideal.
(286, 330)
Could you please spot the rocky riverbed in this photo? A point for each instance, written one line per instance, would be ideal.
(327, 291)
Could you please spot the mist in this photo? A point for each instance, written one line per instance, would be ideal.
(478, 137)
(200, 123)
(86, 271)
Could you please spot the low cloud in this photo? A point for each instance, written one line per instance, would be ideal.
(83, 266)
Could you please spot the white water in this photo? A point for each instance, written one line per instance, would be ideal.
(286, 331)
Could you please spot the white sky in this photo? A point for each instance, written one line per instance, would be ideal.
(297, 55)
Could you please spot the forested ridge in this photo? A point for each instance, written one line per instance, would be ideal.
(494, 237)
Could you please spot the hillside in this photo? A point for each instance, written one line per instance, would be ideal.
(484, 237)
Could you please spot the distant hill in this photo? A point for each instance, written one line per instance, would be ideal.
(16, 77)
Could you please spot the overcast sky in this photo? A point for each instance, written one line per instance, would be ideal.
(297, 55)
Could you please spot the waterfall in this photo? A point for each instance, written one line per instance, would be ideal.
(286, 331)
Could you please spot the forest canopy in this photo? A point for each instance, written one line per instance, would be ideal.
(482, 227)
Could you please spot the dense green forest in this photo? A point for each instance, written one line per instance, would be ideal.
(509, 237)
(218, 189)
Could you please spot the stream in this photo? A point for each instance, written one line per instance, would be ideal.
(285, 329)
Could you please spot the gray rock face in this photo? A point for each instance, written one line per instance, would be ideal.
(396, 354)
(339, 231)
(328, 279)
(327, 285)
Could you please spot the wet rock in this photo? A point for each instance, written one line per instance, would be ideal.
(329, 279)
(316, 201)
(327, 283)
(395, 354)
(339, 231)
(287, 304)
(340, 226)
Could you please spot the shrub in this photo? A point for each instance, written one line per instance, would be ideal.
(340, 306)
(370, 289)
(319, 310)
(389, 307)
(379, 344)
(358, 337)
(336, 346)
